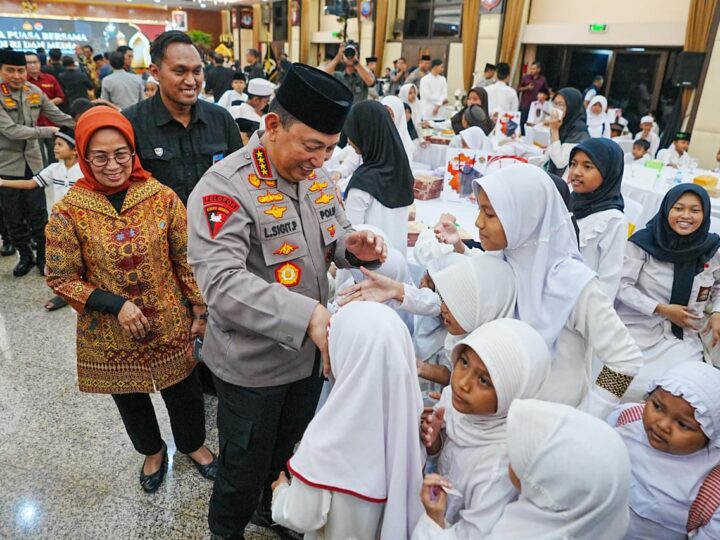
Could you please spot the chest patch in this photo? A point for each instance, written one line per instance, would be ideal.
(217, 209)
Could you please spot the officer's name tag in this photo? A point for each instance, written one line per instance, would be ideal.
(280, 229)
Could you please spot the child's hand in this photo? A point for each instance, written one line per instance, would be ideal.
(430, 427)
(713, 326)
(377, 288)
(447, 233)
(433, 497)
(281, 479)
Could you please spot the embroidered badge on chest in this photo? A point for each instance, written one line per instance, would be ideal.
(218, 209)
(270, 197)
(9, 103)
(324, 198)
(331, 230)
(262, 164)
(288, 274)
(317, 186)
(159, 152)
(34, 99)
(285, 249)
(276, 211)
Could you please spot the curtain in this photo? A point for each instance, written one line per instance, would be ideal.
(697, 35)
(381, 16)
(305, 16)
(257, 22)
(511, 29)
(470, 26)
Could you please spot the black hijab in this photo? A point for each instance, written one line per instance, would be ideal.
(567, 198)
(385, 172)
(574, 124)
(609, 159)
(487, 125)
(688, 253)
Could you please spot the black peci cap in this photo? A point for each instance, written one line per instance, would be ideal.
(315, 98)
(490, 67)
(425, 58)
(67, 134)
(8, 57)
(682, 136)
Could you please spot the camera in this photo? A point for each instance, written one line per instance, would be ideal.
(351, 50)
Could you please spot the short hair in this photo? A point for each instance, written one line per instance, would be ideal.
(503, 70)
(79, 106)
(401, 58)
(30, 53)
(117, 60)
(286, 119)
(98, 57)
(436, 62)
(68, 61)
(218, 58)
(88, 46)
(538, 64)
(597, 78)
(124, 48)
(256, 53)
(55, 55)
(642, 142)
(163, 41)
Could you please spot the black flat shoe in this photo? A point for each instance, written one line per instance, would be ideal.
(6, 250)
(208, 471)
(151, 482)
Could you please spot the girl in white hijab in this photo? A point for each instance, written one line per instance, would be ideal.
(473, 138)
(408, 94)
(597, 121)
(674, 444)
(512, 362)
(358, 468)
(572, 472)
(523, 216)
(395, 106)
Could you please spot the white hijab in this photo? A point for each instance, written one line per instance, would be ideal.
(659, 495)
(416, 106)
(574, 471)
(542, 246)
(365, 441)
(400, 123)
(598, 125)
(474, 138)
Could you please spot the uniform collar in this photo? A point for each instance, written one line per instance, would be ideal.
(163, 116)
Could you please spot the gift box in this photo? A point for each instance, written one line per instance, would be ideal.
(427, 187)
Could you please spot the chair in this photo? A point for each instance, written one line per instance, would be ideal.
(633, 214)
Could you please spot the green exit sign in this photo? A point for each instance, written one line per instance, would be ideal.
(597, 28)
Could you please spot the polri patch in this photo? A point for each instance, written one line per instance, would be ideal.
(288, 274)
(218, 209)
(262, 164)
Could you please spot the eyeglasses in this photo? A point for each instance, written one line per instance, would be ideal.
(102, 160)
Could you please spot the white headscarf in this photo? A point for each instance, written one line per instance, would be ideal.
(365, 441)
(574, 471)
(400, 123)
(477, 290)
(416, 106)
(598, 125)
(474, 138)
(542, 246)
(427, 249)
(657, 495)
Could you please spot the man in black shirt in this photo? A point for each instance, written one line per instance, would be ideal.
(54, 66)
(219, 79)
(254, 69)
(74, 82)
(178, 136)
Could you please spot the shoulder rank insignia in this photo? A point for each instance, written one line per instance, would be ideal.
(288, 274)
(9, 103)
(254, 180)
(262, 164)
(270, 197)
(217, 210)
(5, 89)
(285, 249)
(276, 211)
(317, 186)
(34, 98)
(324, 198)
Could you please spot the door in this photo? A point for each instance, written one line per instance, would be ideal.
(584, 65)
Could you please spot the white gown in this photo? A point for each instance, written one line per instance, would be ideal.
(603, 236)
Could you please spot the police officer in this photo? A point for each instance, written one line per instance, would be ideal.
(264, 226)
(25, 211)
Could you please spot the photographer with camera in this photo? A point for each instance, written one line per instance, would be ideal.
(355, 76)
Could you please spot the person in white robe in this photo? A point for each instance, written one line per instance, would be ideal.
(670, 275)
(670, 466)
(572, 471)
(524, 218)
(380, 190)
(597, 120)
(647, 133)
(595, 174)
(473, 441)
(677, 155)
(357, 471)
(434, 92)
(397, 110)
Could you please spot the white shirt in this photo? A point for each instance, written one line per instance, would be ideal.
(363, 208)
(59, 177)
(630, 160)
(325, 515)
(230, 98)
(602, 244)
(670, 156)
(502, 97)
(654, 141)
(434, 92)
(559, 153)
(245, 111)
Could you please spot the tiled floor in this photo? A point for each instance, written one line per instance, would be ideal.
(67, 468)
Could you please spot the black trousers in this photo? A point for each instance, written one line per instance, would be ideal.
(185, 406)
(258, 430)
(524, 113)
(3, 228)
(25, 212)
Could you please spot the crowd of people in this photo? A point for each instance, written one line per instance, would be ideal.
(231, 246)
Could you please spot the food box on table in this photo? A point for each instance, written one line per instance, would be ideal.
(427, 186)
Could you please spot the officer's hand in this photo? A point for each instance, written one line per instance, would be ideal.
(54, 129)
(318, 330)
(366, 246)
(281, 479)
(133, 321)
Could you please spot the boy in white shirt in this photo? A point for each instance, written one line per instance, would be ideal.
(61, 176)
(677, 155)
(639, 154)
(236, 96)
(647, 133)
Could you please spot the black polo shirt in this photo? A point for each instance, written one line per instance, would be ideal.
(178, 156)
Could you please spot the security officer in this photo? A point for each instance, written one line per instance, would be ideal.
(264, 226)
(25, 211)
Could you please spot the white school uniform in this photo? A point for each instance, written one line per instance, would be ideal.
(559, 154)
(654, 141)
(630, 160)
(363, 447)
(245, 112)
(664, 486)
(598, 124)
(434, 92)
(645, 283)
(232, 98)
(574, 473)
(558, 294)
(502, 97)
(363, 208)
(59, 177)
(603, 236)
(670, 156)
